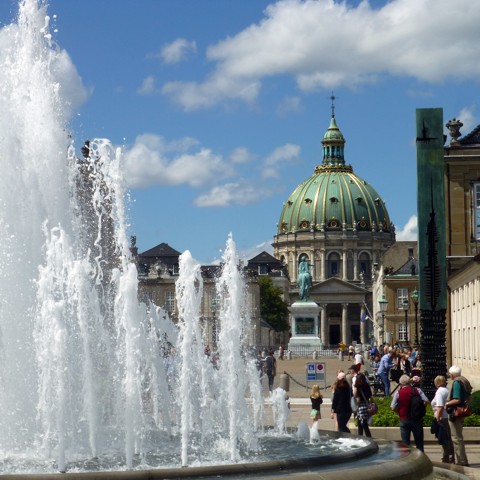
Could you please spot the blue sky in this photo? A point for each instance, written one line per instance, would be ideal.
(220, 106)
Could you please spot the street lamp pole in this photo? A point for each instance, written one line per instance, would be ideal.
(405, 308)
(383, 304)
(414, 296)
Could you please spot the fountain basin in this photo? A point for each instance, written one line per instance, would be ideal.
(367, 461)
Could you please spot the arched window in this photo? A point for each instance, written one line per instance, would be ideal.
(333, 265)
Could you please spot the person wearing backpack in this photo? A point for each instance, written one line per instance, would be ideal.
(409, 402)
(459, 396)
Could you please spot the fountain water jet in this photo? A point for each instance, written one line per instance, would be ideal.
(86, 382)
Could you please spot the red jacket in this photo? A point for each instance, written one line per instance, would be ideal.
(404, 395)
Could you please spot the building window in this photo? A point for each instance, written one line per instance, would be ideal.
(476, 210)
(402, 294)
(410, 252)
(175, 270)
(170, 302)
(402, 332)
(263, 269)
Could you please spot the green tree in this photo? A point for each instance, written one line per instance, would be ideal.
(273, 308)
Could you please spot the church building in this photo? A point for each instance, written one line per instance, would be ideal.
(338, 224)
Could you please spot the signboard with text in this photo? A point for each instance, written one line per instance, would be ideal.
(316, 372)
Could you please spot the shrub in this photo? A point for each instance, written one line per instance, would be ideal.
(387, 418)
(475, 402)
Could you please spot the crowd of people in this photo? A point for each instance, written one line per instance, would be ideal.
(352, 394)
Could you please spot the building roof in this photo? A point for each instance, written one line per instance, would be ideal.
(334, 198)
(410, 267)
(161, 250)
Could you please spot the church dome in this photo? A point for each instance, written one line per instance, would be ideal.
(334, 198)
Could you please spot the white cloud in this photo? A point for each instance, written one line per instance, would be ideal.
(231, 194)
(72, 88)
(419, 39)
(153, 161)
(284, 154)
(467, 117)
(289, 105)
(241, 155)
(251, 252)
(177, 50)
(148, 86)
(409, 231)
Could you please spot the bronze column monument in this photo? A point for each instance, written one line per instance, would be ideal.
(431, 245)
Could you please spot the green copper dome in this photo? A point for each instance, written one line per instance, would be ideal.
(334, 198)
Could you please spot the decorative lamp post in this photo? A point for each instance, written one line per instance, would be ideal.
(415, 297)
(405, 308)
(382, 304)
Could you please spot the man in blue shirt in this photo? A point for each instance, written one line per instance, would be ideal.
(386, 363)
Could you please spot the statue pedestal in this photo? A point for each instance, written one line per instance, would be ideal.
(305, 327)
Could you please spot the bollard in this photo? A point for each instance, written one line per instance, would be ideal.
(314, 355)
(284, 382)
(288, 355)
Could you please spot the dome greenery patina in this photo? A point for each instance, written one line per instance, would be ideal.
(334, 198)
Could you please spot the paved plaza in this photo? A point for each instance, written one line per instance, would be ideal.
(296, 372)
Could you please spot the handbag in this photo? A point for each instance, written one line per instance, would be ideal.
(372, 407)
(462, 411)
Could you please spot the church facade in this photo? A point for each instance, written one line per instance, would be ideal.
(339, 225)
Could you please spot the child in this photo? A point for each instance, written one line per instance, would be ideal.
(316, 399)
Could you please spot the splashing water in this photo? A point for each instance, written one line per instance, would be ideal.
(90, 378)
(85, 369)
(280, 408)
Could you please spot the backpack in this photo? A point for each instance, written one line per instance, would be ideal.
(416, 408)
(467, 389)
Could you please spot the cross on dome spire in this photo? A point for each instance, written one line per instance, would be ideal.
(333, 98)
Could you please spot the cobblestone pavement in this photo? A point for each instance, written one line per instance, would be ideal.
(299, 392)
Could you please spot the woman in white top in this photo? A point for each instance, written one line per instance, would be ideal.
(441, 415)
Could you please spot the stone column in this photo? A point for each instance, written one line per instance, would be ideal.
(294, 273)
(322, 265)
(363, 331)
(344, 266)
(355, 265)
(324, 326)
(345, 332)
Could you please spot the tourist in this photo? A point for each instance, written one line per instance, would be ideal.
(316, 399)
(362, 393)
(386, 364)
(341, 403)
(441, 416)
(458, 396)
(341, 349)
(270, 369)
(351, 352)
(351, 374)
(401, 404)
(281, 352)
(358, 360)
(375, 363)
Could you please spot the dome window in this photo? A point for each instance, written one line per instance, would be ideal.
(284, 226)
(334, 223)
(363, 224)
(308, 201)
(377, 201)
(359, 200)
(333, 200)
(289, 203)
(305, 224)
